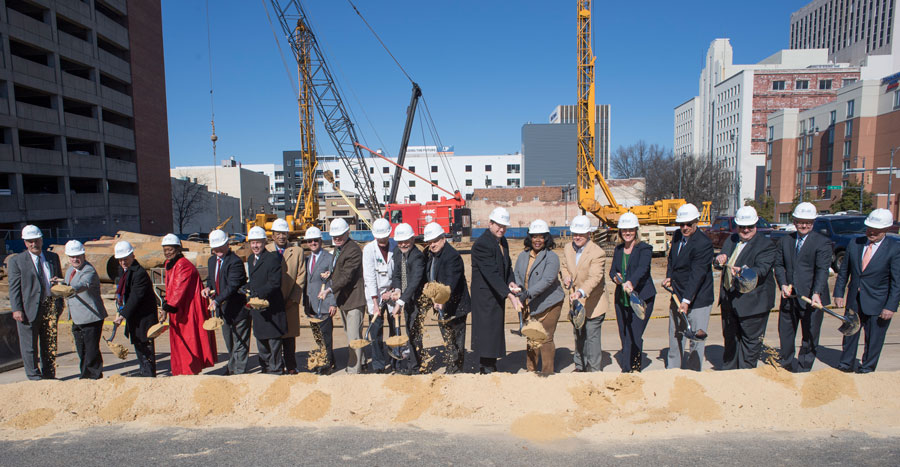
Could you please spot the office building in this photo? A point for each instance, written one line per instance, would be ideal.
(251, 188)
(550, 150)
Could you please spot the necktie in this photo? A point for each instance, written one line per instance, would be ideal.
(867, 256)
(41, 278)
(218, 266)
(403, 274)
(312, 263)
(681, 245)
(432, 271)
(72, 276)
(800, 241)
(280, 251)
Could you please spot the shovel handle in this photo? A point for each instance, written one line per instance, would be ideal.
(814, 304)
(672, 291)
(825, 309)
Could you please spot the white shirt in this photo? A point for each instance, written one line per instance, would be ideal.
(313, 258)
(578, 251)
(46, 268)
(874, 248)
(377, 272)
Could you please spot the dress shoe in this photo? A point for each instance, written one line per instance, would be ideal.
(578, 370)
(289, 372)
(845, 369)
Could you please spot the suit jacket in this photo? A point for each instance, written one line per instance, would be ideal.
(314, 284)
(588, 276)
(347, 277)
(139, 307)
(24, 284)
(757, 254)
(415, 276)
(691, 269)
(491, 275)
(638, 270)
(86, 306)
(232, 277)
(293, 279)
(265, 283)
(878, 287)
(806, 271)
(544, 289)
(449, 270)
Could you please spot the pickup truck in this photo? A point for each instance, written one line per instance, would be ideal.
(840, 229)
(724, 226)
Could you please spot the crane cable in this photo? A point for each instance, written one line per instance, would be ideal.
(212, 111)
(380, 41)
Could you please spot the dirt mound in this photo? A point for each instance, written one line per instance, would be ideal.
(826, 386)
(312, 407)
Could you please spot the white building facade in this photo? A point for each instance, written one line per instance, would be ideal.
(275, 172)
(250, 187)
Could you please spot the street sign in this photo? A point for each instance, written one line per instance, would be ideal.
(833, 187)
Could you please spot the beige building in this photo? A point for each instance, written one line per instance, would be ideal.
(197, 209)
(251, 188)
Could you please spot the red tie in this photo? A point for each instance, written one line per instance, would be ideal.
(867, 256)
(72, 275)
(312, 265)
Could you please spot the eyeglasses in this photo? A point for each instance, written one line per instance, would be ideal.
(746, 227)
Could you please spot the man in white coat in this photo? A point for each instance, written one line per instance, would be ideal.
(378, 267)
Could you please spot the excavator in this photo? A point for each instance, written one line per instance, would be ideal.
(604, 205)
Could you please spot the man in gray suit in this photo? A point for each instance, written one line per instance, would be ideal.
(317, 264)
(86, 310)
(35, 310)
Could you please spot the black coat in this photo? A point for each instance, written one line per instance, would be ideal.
(878, 287)
(758, 254)
(449, 270)
(638, 271)
(231, 277)
(691, 269)
(415, 276)
(491, 274)
(265, 283)
(139, 304)
(806, 271)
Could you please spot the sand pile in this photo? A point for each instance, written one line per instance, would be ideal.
(589, 407)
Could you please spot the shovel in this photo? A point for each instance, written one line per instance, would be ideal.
(688, 332)
(518, 332)
(637, 304)
(850, 321)
(397, 342)
(117, 349)
(361, 343)
(159, 328)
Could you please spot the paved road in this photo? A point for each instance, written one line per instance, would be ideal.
(283, 446)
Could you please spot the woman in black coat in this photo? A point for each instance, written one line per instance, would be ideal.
(631, 259)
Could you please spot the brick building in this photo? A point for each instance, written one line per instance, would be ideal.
(83, 130)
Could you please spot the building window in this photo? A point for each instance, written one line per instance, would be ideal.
(769, 151)
(297, 173)
(487, 168)
(771, 133)
(824, 84)
(512, 182)
(812, 124)
(433, 169)
(778, 85)
(802, 84)
(387, 184)
(897, 99)
(412, 197)
(468, 168)
(512, 168)
(833, 116)
(434, 182)
(851, 106)
(434, 197)
(412, 169)
(337, 172)
(847, 149)
(297, 162)
(385, 170)
(849, 81)
(468, 182)
(412, 183)
(371, 170)
(848, 128)
(487, 182)
(289, 162)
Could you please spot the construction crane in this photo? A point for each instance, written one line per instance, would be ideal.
(659, 213)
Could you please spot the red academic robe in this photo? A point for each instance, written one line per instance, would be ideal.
(192, 347)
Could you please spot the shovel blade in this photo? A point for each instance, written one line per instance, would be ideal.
(850, 325)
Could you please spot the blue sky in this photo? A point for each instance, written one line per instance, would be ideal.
(485, 67)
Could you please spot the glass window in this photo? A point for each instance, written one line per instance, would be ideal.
(487, 168)
(833, 116)
(824, 84)
(897, 99)
(802, 84)
(777, 85)
(412, 197)
(468, 182)
(850, 108)
(396, 216)
(434, 182)
(337, 172)
(771, 133)
(433, 168)
(385, 170)
(434, 197)
(849, 81)
(512, 168)
(468, 168)
(487, 182)
(387, 184)
(289, 162)
(848, 128)
(371, 170)
(412, 183)
(512, 182)
(412, 169)
(297, 162)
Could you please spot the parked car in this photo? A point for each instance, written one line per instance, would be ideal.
(724, 226)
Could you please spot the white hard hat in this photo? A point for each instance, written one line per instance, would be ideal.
(628, 221)
(538, 227)
(581, 225)
(806, 211)
(403, 232)
(280, 225)
(500, 216)
(74, 248)
(217, 238)
(171, 239)
(338, 227)
(880, 219)
(687, 213)
(31, 232)
(313, 233)
(256, 233)
(746, 216)
(123, 249)
(381, 228)
(433, 231)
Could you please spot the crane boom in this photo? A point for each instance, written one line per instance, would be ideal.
(308, 161)
(404, 142)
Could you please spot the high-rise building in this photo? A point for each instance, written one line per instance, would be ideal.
(550, 150)
(83, 132)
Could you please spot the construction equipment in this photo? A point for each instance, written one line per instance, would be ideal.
(849, 322)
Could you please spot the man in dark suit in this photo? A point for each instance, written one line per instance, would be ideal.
(34, 308)
(444, 265)
(348, 286)
(745, 313)
(318, 268)
(407, 281)
(872, 265)
(689, 273)
(269, 322)
(137, 307)
(226, 276)
(802, 260)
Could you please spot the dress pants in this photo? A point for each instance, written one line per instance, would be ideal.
(271, 359)
(631, 333)
(326, 328)
(415, 320)
(353, 324)
(237, 340)
(699, 319)
(146, 357)
(546, 352)
(588, 355)
(289, 353)
(454, 334)
(87, 344)
(876, 331)
(810, 322)
(743, 338)
(380, 358)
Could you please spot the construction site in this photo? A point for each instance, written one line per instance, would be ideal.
(521, 411)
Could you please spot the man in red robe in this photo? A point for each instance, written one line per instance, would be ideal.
(192, 347)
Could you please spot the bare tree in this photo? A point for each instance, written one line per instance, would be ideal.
(187, 201)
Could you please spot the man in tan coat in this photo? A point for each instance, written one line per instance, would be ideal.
(583, 275)
(293, 277)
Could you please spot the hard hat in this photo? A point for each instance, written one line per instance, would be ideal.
(313, 233)
(74, 248)
(628, 221)
(217, 238)
(381, 228)
(31, 232)
(256, 233)
(746, 216)
(403, 232)
(687, 213)
(338, 227)
(746, 281)
(123, 249)
(880, 219)
(433, 231)
(500, 216)
(581, 225)
(538, 227)
(171, 239)
(806, 211)
(280, 225)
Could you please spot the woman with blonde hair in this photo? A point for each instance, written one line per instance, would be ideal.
(631, 272)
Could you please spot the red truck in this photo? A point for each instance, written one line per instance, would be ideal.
(451, 213)
(724, 226)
